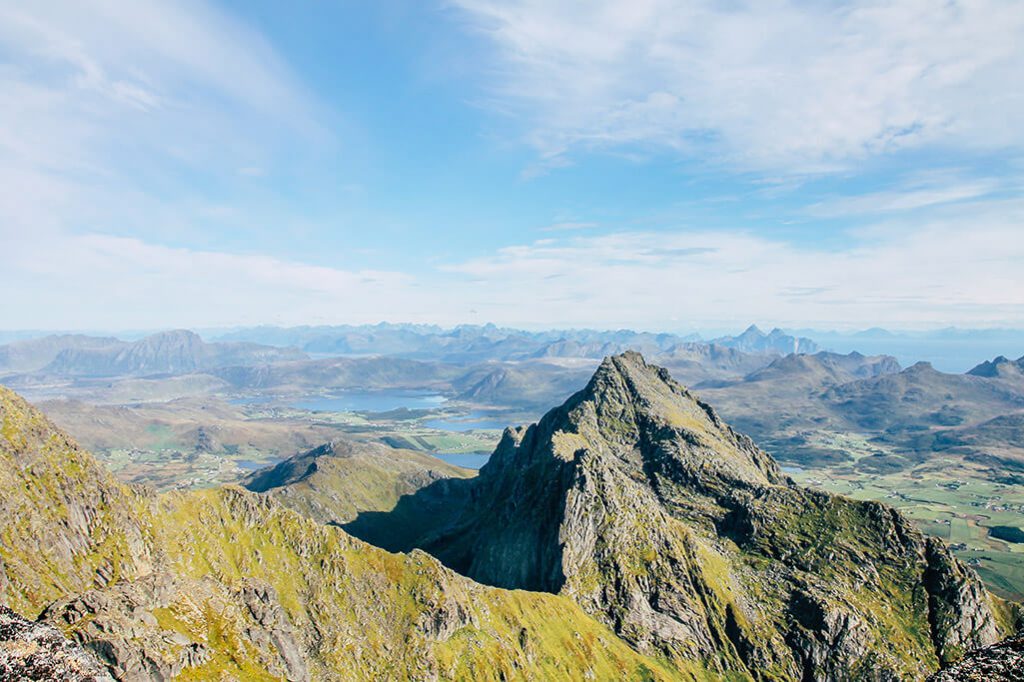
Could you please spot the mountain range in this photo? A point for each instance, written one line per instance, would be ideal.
(629, 534)
(918, 409)
(172, 352)
(476, 343)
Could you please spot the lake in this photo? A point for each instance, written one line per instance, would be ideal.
(253, 465)
(469, 461)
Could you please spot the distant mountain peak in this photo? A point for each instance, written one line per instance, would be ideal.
(753, 340)
(1000, 366)
(921, 366)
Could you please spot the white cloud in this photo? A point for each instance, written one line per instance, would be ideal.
(960, 266)
(117, 282)
(783, 85)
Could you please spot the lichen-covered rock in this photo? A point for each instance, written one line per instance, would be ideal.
(37, 651)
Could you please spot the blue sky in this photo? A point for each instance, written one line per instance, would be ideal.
(649, 164)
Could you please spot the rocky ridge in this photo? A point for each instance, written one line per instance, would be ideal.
(226, 583)
(1002, 662)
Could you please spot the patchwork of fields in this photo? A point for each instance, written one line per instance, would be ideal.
(947, 497)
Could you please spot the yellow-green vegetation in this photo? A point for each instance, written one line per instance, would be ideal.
(390, 615)
(336, 482)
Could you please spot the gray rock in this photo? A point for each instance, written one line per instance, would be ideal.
(37, 651)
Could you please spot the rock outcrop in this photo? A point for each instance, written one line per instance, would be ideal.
(66, 525)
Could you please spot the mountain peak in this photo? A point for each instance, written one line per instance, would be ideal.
(635, 499)
(629, 405)
(1000, 366)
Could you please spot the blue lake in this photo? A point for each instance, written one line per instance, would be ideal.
(253, 465)
(469, 461)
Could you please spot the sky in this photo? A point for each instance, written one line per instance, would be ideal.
(653, 164)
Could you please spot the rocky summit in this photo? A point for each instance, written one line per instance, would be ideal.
(635, 500)
(629, 534)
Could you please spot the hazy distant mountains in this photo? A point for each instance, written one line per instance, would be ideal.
(172, 352)
(473, 343)
(753, 340)
(1001, 367)
(29, 355)
(480, 364)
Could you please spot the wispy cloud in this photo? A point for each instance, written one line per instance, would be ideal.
(918, 192)
(960, 266)
(788, 86)
(122, 115)
(117, 282)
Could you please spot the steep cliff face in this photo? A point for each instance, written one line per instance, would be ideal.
(639, 503)
(228, 584)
